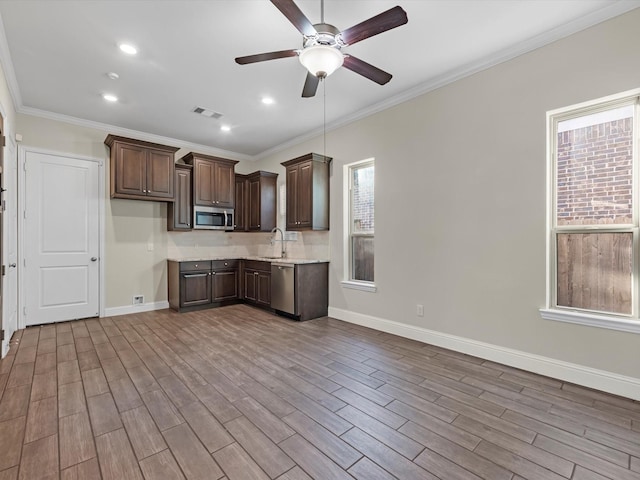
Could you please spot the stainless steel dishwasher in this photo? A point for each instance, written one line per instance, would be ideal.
(283, 292)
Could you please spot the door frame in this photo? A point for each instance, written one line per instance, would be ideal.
(22, 157)
(4, 121)
(10, 153)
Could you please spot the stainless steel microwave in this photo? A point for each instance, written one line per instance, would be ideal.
(212, 218)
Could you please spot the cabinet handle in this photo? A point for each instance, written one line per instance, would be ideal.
(255, 273)
(196, 275)
(225, 264)
(212, 273)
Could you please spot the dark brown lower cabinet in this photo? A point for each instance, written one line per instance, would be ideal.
(195, 289)
(203, 284)
(196, 285)
(224, 277)
(257, 283)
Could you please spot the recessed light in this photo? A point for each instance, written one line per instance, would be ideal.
(267, 100)
(109, 97)
(113, 75)
(225, 128)
(128, 49)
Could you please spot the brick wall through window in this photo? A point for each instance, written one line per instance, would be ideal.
(594, 174)
(363, 206)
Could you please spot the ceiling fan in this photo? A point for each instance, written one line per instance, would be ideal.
(322, 44)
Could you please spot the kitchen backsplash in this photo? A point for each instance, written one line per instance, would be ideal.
(195, 244)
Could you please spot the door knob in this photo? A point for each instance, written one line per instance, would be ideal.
(94, 259)
(12, 265)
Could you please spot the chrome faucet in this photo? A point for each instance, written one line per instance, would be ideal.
(282, 251)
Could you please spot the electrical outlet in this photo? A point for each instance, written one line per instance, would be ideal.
(420, 310)
(138, 299)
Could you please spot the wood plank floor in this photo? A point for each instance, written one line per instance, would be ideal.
(237, 393)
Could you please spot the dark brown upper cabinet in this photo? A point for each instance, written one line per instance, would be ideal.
(213, 180)
(262, 201)
(308, 192)
(242, 203)
(179, 212)
(256, 201)
(141, 170)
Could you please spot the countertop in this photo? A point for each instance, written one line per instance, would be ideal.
(295, 261)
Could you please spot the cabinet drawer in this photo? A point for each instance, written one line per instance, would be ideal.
(224, 264)
(195, 266)
(257, 265)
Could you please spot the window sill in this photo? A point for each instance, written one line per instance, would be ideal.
(365, 287)
(591, 319)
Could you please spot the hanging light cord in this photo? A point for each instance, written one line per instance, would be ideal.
(324, 96)
(324, 117)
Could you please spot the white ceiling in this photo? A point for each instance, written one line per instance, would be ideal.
(61, 50)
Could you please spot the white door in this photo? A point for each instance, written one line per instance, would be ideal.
(61, 242)
(10, 243)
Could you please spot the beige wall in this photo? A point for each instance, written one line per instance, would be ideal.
(460, 203)
(137, 242)
(7, 109)
(129, 225)
(460, 199)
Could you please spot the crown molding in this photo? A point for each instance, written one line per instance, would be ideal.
(605, 13)
(127, 132)
(612, 10)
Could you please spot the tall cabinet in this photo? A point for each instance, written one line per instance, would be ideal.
(308, 192)
(179, 213)
(242, 203)
(256, 201)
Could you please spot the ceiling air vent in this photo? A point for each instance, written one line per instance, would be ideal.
(207, 113)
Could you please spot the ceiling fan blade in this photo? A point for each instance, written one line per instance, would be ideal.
(261, 57)
(290, 10)
(310, 85)
(380, 23)
(366, 70)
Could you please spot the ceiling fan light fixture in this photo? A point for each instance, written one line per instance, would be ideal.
(321, 60)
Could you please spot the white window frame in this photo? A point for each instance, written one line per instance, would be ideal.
(551, 311)
(348, 281)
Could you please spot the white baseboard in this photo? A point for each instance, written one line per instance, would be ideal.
(127, 309)
(581, 375)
